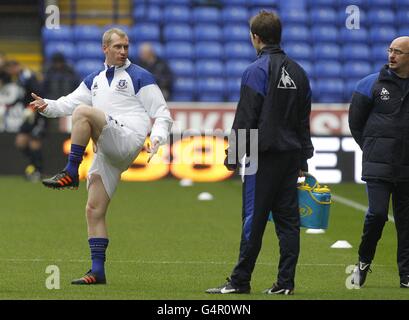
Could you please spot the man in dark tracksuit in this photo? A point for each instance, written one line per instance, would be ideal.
(379, 123)
(275, 98)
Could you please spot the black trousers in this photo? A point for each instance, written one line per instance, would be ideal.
(379, 193)
(272, 188)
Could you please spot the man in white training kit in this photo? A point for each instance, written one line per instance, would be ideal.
(113, 107)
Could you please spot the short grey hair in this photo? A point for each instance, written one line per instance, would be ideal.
(106, 38)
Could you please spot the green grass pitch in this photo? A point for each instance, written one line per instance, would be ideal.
(165, 244)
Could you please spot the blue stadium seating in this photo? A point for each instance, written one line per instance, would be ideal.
(382, 34)
(403, 31)
(323, 16)
(235, 15)
(307, 66)
(356, 69)
(86, 67)
(182, 67)
(355, 51)
(208, 50)
(344, 3)
(178, 50)
(233, 85)
(329, 90)
(211, 97)
(134, 49)
(403, 17)
(184, 87)
(298, 50)
(89, 50)
(87, 33)
(354, 35)
(176, 14)
(65, 33)
(145, 32)
(292, 4)
(177, 32)
(320, 3)
(235, 2)
(294, 17)
(378, 65)
(206, 15)
(381, 17)
(65, 47)
(326, 51)
(235, 68)
(236, 32)
(269, 3)
(126, 29)
(350, 86)
(324, 33)
(209, 68)
(239, 50)
(327, 69)
(147, 14)
(401, 4)
(205, 32)
(381, 3)
(343, 17)
(211, 85)
(379, 52)
(295, 33)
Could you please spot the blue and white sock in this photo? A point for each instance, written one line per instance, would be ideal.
(98, 247)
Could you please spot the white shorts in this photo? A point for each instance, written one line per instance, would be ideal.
(117, 148)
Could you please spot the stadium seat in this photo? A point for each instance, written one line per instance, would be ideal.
(179, 2)
(182, 67)
(323, 16)
(326, 51)
(324, 34)
(354, 35)
(379, 52)
(235, 68)
(294, 17)
(177, 32)
(176, 14)
(233, 97)
(381, 3)
(204, 32)
(295, 33)
(87, 33)
(210, 97)
(236, 32)
(157, 47)
(146, 13)
(64, 47)
(378, 65)
(329, 90)
(211, 85)
(209, 15)
(298, 50)
(381, 17)
(292, 4)
(86, 67)
(344, 3)
(209, 68)
(65, 33)
(184, 86)
(403, 17)
(124, 28)
(269, 3)
(178, 50)
(233, 85)
(327, 69)
(208, 50)
(356, 69)
(145, 32)
(343, 17)
(321, 3)
(355, 51)
(382, 34)
(307, 66)
(239, 50)
(235, 2)
(235, 15)
(89, 50)
(402, 4)
(403, 31)
(182, 97)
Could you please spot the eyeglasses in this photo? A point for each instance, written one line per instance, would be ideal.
(396, 51)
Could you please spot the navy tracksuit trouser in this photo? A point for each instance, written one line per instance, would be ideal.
(379, 193)
(272, 188)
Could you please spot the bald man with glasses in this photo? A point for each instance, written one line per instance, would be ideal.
(379, 123)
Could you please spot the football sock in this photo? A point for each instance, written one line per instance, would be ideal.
(74, 159)
(98, 247)
(37, 159)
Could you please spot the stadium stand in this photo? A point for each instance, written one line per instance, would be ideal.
(208, 46)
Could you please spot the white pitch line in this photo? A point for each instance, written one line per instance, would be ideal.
(355, 205)
(178, 262)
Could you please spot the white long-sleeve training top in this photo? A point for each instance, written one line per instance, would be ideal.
(128, 94)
